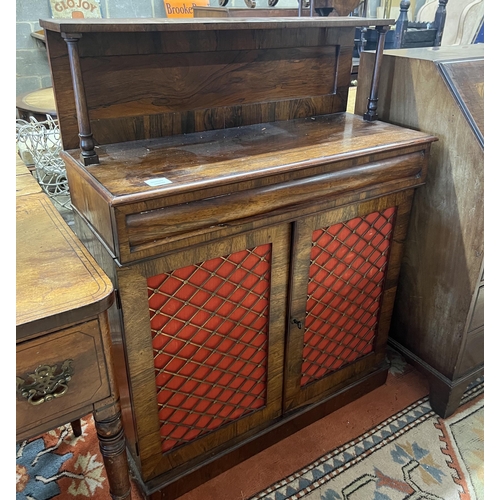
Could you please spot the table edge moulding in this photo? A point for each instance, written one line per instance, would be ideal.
(63, 346)
(236, 207)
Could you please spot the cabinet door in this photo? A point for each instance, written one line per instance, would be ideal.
(345, 264)
(204, 334)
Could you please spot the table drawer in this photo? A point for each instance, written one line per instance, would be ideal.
(59, 373)
(150, 227)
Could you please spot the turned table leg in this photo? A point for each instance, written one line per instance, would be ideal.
(112, 446)
(76, 425)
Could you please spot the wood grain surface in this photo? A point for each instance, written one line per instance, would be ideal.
(441, 275)
(157, 24)
(204, 160)
(148, 79)
(208, 181)
(26, 184)
(45, 296)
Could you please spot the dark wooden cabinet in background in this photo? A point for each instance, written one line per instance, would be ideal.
(438, 318)
(252, 228)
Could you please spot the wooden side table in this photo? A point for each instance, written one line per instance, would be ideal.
(38, 103)
(63, 361)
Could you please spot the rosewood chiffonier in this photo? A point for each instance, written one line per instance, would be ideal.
(252, 228)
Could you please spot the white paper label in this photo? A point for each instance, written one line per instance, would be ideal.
(159, 181)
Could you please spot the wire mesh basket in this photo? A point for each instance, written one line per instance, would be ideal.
(41, 143)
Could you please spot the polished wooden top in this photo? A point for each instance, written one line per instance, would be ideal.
(158, 167)
(202, 24)
(26, 184)
(57, 281)
(38, 101)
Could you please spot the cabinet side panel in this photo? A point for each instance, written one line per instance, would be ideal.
(89, 203)
(445, 246)
(57, 52)
(180, 82)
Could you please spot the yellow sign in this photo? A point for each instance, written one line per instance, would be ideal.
(183, 8)
(75, 8)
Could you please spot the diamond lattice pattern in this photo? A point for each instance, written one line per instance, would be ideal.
(348, 265)
(209, 325)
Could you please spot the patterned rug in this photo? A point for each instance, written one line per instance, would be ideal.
(58, 465)
(413, 455)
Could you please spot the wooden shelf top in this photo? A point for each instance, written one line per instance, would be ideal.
(202, 24)
(133, 170)
(38, 101)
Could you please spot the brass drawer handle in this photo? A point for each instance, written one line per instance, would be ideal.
(46, 383)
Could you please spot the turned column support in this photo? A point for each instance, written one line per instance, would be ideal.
(371, 110)
(88, 154)
(112, 445)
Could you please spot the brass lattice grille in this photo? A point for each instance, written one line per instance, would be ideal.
(348, 265)
(209, 325)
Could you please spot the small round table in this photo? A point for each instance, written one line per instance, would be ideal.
(38, 103)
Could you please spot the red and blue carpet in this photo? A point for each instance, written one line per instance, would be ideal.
(390, 448)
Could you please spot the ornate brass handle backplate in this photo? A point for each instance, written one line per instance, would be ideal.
(46, 383)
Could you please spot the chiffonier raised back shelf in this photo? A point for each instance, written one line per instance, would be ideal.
(252, 228)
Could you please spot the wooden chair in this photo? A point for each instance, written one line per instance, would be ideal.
(463, 20)
(408, 34)
(446, 24)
